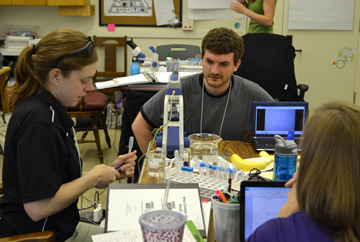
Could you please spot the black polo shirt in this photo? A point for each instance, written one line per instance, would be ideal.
(40, 156)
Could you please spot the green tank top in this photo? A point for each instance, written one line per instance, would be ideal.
(254, 27)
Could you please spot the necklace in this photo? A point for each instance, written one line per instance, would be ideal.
(202, 107)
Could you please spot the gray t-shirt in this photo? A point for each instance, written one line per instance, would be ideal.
(237, 122)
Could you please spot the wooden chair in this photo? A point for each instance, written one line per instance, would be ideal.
(111, 47)
(45, 236)
(90, 115)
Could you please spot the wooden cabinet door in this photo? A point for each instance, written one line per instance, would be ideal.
(68, 2)
(29, 2)
(5, 2)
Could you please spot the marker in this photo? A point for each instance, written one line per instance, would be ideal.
(223, 197)
(131, 143)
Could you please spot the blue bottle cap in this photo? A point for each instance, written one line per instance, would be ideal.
(290, 135)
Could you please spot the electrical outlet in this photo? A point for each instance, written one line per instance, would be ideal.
(188, 24)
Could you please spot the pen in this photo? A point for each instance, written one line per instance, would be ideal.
(131, 143)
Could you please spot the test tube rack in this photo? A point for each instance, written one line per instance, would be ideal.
(207, 185)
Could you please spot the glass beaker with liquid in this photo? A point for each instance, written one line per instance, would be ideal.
(205, 147)
(156, 164)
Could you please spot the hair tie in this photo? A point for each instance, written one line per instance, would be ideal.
(33, 50)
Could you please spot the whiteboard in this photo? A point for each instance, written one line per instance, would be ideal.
(321, 14)
(202, 14)
(208, 4)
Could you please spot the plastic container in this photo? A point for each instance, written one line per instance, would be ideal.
(135, 68)
(226, 221)
(285, 157)
(162, 225)
(21, 30)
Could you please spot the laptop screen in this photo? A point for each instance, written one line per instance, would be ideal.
(260, 203)
(270, 118)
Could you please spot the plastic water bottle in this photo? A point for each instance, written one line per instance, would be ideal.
(285, 157)
(135, 68)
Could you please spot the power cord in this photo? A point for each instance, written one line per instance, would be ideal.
(97, 214)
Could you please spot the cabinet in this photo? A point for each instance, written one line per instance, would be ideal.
(88, 10)
(68, 2)
(5, 2)
(29, 2)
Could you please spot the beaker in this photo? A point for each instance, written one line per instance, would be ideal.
(205, 147)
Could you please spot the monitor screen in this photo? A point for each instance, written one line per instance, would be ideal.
(262, 204)
(271, 120)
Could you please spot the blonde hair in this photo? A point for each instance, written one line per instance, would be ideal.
(35, 63)
(328, 184)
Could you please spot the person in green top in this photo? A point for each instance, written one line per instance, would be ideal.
(261, 13)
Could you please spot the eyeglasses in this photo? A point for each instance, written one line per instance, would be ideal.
(88, 50)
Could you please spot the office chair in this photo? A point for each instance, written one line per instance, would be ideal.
(45, 236)
(269, 61)
(177, 51)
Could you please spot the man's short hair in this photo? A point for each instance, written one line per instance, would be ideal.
(223, 41)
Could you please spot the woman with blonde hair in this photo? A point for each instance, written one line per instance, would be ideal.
(42, 169)
(260, 12)
(324, 201)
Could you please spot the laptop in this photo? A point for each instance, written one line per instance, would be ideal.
(271, 118)
(260, 202)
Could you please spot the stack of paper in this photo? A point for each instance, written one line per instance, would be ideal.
(144, 78)
(17, 42)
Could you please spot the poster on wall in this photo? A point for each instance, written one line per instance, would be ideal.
(321, 14)
(128, 7)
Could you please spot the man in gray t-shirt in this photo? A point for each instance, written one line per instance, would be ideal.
(215, 101)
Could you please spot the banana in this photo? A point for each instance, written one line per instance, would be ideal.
(266, 155)
(245, 165)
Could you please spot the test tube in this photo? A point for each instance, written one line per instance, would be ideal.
(201, 169)
(177, 164)
(220, 170)
(233, 167)
(213, 169)
(186, 159)
(190, 172)
(208, 169)
(196, 162)
(184, 172)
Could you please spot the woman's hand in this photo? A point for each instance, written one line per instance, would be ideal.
(238, 7)
(292, 181)
(125, 164)
(291, 206)
(103, 175)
